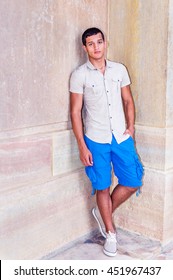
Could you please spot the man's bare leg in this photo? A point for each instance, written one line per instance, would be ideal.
(108, 203)
(104, 203)
(120, 194)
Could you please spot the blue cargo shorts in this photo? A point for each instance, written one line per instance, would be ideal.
(122, 157)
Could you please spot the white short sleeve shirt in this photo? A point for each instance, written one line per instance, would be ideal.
(103, 113)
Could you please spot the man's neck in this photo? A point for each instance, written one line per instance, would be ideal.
(100, 64)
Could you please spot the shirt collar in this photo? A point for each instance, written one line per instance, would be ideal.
(92, 67)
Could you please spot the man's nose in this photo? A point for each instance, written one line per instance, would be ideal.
(96, 46)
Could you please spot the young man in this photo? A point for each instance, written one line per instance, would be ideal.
(100, 88)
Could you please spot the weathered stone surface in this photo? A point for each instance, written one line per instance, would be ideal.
(169, 149)
(37, 219)
(144, 214)
(134, 41)
(168, 209)
(40, 46)
(43, 206)
(151, 146)
(169, 72)
(148, 55)
(65, 153)
(24, 161)
(43, 187)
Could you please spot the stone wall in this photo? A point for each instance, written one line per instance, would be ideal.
(140, 35)
(44, 195)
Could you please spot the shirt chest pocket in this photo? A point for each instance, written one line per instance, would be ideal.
(92, 92)
(116, 85)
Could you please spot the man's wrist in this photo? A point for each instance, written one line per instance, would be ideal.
(131, 127)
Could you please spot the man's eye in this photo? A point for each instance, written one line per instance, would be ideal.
(90, 44)
(100, 42)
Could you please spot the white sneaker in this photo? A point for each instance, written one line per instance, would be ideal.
(97, 216)
(110, 246)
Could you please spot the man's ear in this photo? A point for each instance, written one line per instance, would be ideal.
(84, 47)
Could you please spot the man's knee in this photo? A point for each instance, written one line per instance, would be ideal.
(132, 190)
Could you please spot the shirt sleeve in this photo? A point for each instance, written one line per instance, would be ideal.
(76, 82)
(125, 77)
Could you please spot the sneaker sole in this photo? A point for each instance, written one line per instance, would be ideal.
(100, 227)
(109, 254)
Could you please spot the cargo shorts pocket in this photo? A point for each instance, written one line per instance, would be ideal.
(139, 168)
(92, 176)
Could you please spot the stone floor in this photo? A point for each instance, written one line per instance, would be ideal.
(130, 246)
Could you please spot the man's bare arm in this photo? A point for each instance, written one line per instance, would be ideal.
(129, 110)
(76, 103)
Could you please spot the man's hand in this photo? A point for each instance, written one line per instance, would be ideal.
(85, 156)
(130, 131)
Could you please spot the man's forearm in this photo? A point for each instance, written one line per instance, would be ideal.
(130, 114)
(130, 118)
(129, 108)
(78, 128)
(85, 154)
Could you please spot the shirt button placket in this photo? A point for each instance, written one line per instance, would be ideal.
(109, 108)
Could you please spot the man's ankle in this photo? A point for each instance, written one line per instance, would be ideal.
(112, 230)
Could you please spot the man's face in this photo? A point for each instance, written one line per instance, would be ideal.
(95, 46)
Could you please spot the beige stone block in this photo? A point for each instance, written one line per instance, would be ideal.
(65, 153)
(145, 214)
(169, 88)
(168, 209)
(169, 149)
(39, 49)
(38, 219)
(155, 146)
(168, 225)
(150, 65)
(131, 42)
(26, 132)
(24, 160)
(151, 145)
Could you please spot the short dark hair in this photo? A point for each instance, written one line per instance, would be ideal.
(89, 32)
